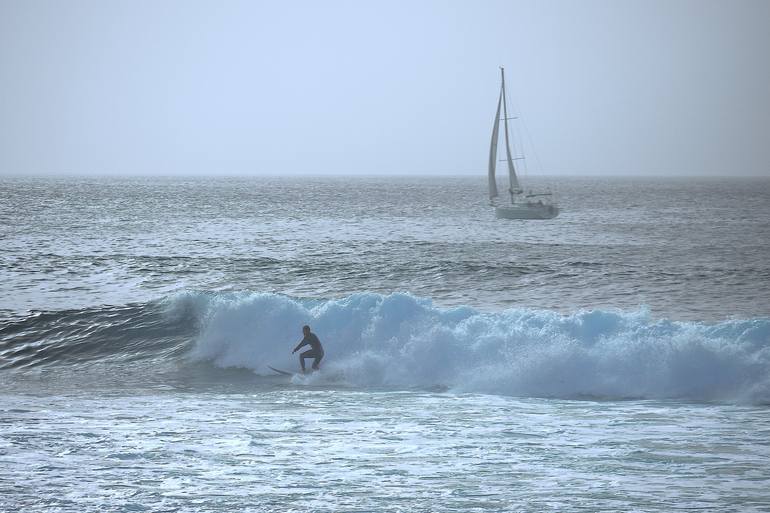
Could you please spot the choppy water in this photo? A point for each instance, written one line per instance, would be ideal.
(687, 249)
(615, 358)
(341, 450)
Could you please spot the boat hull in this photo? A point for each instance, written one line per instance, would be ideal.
(527, 211)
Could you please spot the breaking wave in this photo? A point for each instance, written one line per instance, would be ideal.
(403, 341)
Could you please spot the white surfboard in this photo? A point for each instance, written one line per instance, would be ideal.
(279, 371)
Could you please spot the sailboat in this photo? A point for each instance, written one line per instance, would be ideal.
(524, 205)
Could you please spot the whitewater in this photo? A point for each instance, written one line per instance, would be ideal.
(616, 358)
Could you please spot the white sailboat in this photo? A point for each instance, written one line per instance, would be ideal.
(524, 205)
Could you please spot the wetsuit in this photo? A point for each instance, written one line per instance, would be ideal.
(316, 351)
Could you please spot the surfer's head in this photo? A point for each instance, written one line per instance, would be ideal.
(305, 329)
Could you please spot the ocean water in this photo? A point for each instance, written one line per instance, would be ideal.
(616, 358)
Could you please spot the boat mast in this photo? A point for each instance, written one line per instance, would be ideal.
(514, 188)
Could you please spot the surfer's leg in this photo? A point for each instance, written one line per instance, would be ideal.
(307, 354)
(317, 360)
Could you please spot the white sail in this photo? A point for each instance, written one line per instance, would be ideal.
(493, 150)
(515, 188)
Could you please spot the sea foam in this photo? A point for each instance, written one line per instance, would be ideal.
(400, 340)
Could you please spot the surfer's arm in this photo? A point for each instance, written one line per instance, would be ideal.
(302, 342)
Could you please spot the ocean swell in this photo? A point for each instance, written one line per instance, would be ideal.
(161, 330)
(401, 341)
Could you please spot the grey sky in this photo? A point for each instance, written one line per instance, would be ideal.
(171, 87)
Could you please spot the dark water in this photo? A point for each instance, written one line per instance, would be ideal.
(694, 249)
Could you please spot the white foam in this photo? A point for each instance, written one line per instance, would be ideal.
(404, 341)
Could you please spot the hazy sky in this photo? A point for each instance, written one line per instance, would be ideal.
(250, 87)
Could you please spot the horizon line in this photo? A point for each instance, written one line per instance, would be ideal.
(362, 175)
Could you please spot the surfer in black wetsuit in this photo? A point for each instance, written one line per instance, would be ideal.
(316, 350)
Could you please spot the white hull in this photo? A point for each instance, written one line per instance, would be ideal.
(527, 211)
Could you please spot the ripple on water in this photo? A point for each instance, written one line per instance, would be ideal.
(380, 451)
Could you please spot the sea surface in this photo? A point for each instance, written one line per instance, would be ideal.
(616, 358)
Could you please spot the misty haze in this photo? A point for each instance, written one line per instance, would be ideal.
(606, 88)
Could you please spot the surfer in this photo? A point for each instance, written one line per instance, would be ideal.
(316, 350)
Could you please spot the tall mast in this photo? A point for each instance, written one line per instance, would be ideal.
(514, 189)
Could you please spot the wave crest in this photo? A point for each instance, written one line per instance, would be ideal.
(405, 341)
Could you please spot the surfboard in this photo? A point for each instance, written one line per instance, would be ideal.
(287, 373)
(279, 371)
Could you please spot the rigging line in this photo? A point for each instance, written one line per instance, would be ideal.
(530, 141)
(524, 131)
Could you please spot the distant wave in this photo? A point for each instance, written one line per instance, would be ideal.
(403, 341)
